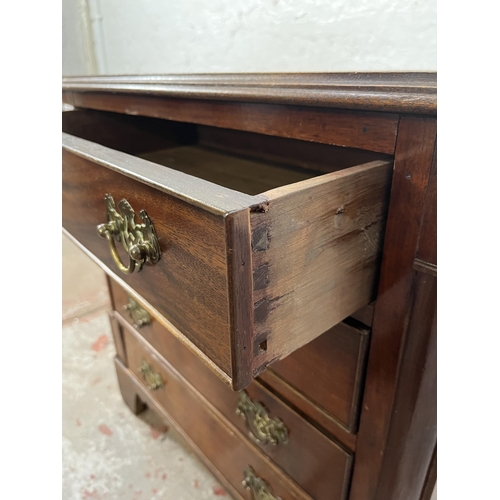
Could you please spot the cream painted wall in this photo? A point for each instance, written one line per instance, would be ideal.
(195, 36)
(73, 53)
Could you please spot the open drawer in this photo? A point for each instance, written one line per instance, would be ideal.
(247, 253)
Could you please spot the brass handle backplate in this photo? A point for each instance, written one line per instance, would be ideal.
(260, 426)
(138, 240)
(152, 378)
(259, 489)
(139, 316)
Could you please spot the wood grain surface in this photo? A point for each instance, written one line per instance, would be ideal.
(243, 310)
(197, 192)
(195, 371)
(239, 261)
(188, 285)
(311, 412)
(127, 133)
(285, 151)
(316, 251)
(234, 172)
(412, 167)
(371, 131)
(413, 434)
(207, 428)
(322, 123)
(317, 464)
(133, 390)
(396, 92)
(329, 371)
(427, 244)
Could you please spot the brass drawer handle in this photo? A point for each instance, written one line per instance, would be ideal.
(260, 426)
(139, 316)
(152, 378)
(259, 489)
(138, 240)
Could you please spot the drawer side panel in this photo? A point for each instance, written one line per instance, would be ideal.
(316, 250)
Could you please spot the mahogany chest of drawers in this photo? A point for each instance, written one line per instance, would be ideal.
(270, 246)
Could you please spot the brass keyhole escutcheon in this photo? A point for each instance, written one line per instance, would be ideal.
(139, 316)
(138, 240)
(259, 489)
(152, 378)
(261, 427)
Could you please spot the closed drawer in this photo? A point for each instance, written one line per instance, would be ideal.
(327, 373)
(244, 279)
(319, 466)
(283, 435)
(224, 451)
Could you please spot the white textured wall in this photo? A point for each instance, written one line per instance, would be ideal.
(77, 42)
(73, 55)
(196, 36)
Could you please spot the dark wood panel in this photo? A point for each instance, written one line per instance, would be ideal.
(365, 314)
(239, 261)
(397, 92)
(190, 367)
(137, 398)
(413, 433)
(162, 339)
(128, 388)
(431, 479)
(189, 283)
(311, 412)
(283, 151)
(316, 464)
(207, 428)
(329, 371)
(130, 134)
(427, 247)
(118, 339)
(413, 160)
(372, 131)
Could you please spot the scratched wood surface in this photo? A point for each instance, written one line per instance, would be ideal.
(316, 250)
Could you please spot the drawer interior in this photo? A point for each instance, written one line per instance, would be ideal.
(246, 162)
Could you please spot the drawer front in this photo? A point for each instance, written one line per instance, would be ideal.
(327, 374)
(242, 280)
(189, 284)
(329, 371)
(275, 428)
(228, 451)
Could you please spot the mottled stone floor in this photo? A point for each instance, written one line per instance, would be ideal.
(108, 453)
